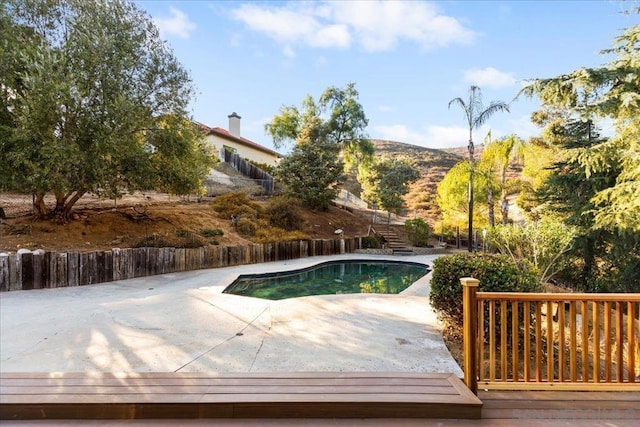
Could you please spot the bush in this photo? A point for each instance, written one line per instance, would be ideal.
(543, 244)
(181, 239)
(418, 232)
(372, 242)
(236, 203)
(211, 232)
(284, 212)
(496, 273)
(247, 227)
(155, 240)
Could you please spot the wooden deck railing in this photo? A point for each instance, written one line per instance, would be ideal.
(538, 341)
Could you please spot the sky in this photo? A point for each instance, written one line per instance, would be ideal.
(408, 59)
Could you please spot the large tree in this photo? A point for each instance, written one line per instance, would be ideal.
(93, 101)
(385, 182)
(453, 198)
(313, 174)
(611, 91)
(326, 133)
(337, 119)
(599, 176)
(476, 114)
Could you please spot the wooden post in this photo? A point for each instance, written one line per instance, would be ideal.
(470, 331)
(457, 237)
(4, 272)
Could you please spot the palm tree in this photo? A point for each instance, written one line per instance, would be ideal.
(476, 115)
(497, 155)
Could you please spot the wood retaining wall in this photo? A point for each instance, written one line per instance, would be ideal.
(39, 270)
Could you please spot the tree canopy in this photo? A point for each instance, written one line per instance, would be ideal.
(92, 101)
(313, 174)
(595, 184)
(453, 196)
(385, 182)
(329, 138)
(611, 91)
(496, 156)
(337, 118)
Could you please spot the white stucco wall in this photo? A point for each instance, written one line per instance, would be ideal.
(242, 150)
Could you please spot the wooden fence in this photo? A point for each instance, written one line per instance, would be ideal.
(249, 170)
(37, 270)
(543, 341)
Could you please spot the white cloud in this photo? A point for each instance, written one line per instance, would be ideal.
(374, 25)
(380, 25)
(178, 24)
(291, 24)
(489, 77)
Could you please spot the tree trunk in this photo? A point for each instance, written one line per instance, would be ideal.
(71, 202)
(504, 203)
(39, 207)
(504, 208)
(470, 230)
(491, 203)
(65, 203)
(588, 256)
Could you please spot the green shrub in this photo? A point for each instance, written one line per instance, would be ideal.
(155, 240)
(496, 273)
(284, 212)
(188, 239)
(418, 232)
(372, 242)
(211, 232)
(544, 244)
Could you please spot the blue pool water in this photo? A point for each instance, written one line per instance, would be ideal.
(333, 277)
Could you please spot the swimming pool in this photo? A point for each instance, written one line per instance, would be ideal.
(332, 277)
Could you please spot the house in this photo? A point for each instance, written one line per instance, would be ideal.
(230, 139)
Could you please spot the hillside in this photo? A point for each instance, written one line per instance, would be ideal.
(97, 225)
(100, 224)
(433, 165)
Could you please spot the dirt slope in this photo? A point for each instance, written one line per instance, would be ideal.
(96, 224)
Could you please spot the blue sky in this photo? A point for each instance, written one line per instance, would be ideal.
(407, 58)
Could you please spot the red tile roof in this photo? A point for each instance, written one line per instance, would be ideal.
(223, 133)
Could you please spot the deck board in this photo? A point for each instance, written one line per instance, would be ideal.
(260, 395)
(560, 405)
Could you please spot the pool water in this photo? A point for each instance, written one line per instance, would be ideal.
(334, 277)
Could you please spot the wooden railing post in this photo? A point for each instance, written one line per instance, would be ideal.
(470, 331)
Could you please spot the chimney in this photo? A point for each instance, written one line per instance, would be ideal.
(234, 124)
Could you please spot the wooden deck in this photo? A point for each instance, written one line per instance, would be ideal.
(561, 405)
(32, 396)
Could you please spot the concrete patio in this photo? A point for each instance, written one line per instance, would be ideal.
(184, 323)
